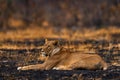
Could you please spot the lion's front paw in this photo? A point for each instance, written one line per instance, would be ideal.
(21, 68)
(55, 68)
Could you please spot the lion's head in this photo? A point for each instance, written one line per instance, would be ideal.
(49, 49)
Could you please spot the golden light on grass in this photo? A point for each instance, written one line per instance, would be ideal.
(32, 33)
(38, 32)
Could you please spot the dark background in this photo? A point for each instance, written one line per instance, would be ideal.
(60, 13)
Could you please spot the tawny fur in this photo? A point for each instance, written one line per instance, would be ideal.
(60, 58)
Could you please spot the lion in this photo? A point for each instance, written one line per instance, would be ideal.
(59, 58)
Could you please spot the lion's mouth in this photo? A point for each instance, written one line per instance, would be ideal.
(43, 54)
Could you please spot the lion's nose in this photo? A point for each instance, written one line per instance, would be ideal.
(42, 50)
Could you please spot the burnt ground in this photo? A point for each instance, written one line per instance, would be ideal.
(10, 59)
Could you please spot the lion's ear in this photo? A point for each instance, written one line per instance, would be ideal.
(56, 43)
(46, 40)
(56, 50)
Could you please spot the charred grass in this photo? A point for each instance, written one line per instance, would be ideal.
(22, 47)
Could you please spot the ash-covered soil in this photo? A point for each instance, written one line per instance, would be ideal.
(10, 59)
(8, 71)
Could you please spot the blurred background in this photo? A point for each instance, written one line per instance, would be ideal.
(88, 26)
(79, 19)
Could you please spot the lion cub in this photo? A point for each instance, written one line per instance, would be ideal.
(59, 58)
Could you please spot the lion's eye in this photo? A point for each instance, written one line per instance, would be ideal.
(48, 47)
